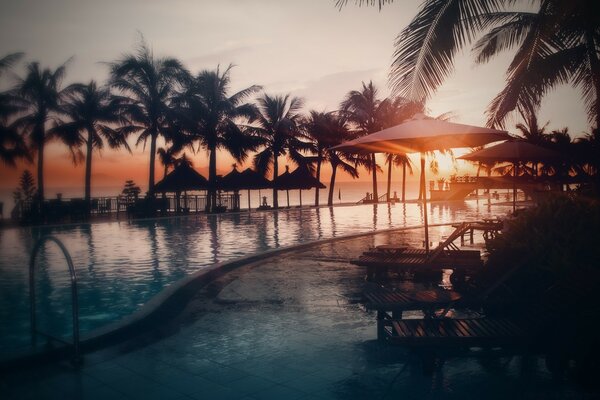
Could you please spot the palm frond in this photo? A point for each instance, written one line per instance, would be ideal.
(425, 50)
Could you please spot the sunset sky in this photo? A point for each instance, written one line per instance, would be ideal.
(307, 48)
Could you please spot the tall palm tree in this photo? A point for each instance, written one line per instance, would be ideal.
(12, 145)
(148, 82)
(92, 113)
(363, 109)
(326, 130)
(215, 119)
(557, 43)
(279, 124)
(39, 95)
(533, 133)
(394, 111)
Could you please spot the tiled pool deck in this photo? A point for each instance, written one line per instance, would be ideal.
(288, 327)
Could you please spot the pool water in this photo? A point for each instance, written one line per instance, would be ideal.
(121, 265)
(290, 327)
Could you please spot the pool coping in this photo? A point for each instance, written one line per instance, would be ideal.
(168, 302)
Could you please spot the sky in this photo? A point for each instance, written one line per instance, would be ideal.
(307, 48)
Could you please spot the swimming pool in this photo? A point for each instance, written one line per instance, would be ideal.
(121, 265)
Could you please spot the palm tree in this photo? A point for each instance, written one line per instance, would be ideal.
(92, 112)
(167, 158)
(556, 44)
(12, 145)
(149, 84)
(533, 133)
(362, 108)
(39, 96)
(279, 124)
(213, 118)
(326, 130)
(394, 111)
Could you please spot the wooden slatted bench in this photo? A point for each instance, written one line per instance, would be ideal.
(448, 332)
(413, 260)
(390, 305)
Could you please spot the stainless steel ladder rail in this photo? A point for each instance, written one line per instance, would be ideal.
(75, 304)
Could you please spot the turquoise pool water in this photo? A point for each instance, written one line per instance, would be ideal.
(121, 265)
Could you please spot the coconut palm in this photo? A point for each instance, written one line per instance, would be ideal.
(38, 95)
(279, 125)
(363, 109)
(92, 113)
(531, 132)
(148, 82)
(12, 145)
(326, 130)
(215, 119)
(556, 44)
(394, 111)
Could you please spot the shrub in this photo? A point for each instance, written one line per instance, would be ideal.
(560, 235)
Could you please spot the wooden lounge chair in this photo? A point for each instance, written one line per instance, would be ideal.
(559, 322)
(447, 255)
(491, 292)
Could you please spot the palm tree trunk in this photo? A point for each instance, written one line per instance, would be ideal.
(331, 184)
(40, 171)
(375, 195)
(275, 175)
(403, 182)
(212, 178)
(421, 183)
(424, 203)
(88, 169)
(319, 158)
(152, 159)
(389, 181)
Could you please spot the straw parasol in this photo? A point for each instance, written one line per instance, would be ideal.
(301, 178)
(513, 151)
(181, 179)
(248, 179)
(423, 134)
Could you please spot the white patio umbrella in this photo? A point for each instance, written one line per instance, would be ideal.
(420, 135)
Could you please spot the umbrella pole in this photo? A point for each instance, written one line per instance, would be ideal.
(424, 203)
(514, 187)
(288, 198)
(300, 197)
(249, 209)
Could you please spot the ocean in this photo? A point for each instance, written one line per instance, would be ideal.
(345, 192)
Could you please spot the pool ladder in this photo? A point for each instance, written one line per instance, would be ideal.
(75, 306)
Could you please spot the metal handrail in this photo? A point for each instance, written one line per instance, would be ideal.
(75, 306)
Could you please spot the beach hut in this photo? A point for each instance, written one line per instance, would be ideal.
(182, 179)
(301, 178)
(423, 134)
(514, 151)
(248, 180)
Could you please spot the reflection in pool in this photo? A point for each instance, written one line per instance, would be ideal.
(121, 265)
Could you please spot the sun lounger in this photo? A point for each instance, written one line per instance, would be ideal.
(447, 255)
(559, 322)
(492, 292)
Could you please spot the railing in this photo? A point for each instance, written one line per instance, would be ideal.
(75, 305)
(369, 199)
(74, 210)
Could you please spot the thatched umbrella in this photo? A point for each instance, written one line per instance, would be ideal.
(513, 151)
(182, 179)
(300, 179)
(248, 179)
